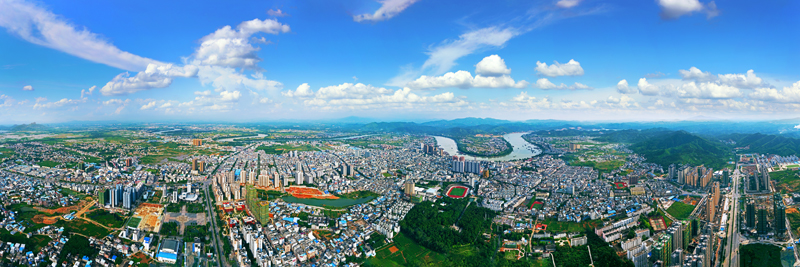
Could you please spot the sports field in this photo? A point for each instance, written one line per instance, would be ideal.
(537, 205)
(403, 251)
(457, 192)
(620, 185)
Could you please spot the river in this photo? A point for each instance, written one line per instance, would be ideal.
(333, 203)
(241, 137)
(522, 149)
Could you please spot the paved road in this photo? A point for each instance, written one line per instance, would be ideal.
(221, 259)
(734, 237)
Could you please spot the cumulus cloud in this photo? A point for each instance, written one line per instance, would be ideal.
(388, 9)
(696, 74)
(155, 76)
(85, 92)
(623, 88)
(27, 88)
(546, 84)
(41, 103)
(492, 66)
(646, 88)
(276, 13)
(673, 9)
(231, 47)
(147, 106)
(797, 126)
(302, 91)
(571, 68)
(463, 79)
(567, 3)
(41, 27)
(349, 90)
(790, 94)
(748, 80)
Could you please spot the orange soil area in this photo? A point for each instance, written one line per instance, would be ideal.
(63, 210)
(308, 192)
(393, 249)
(44, 219)
(691, 201)
(792, 210)
(143, 258)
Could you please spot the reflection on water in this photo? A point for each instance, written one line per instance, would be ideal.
(245, 137)
(336, 203)
(522, 149)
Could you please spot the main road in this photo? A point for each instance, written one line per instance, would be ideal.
(734, 238)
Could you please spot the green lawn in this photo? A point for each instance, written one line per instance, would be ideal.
(134, 222)
(48, 163)
(408, 252)
(457, 191)
(680, 210)
(280, 149)
(113, 220)
(757, 255)
(81, 226)
(557, 226)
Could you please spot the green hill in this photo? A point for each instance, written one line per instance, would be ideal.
(29, 127)
(682, 147)
(767, 144)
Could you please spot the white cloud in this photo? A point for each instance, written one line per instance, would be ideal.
(545, 84)
(797, 126)
(571, 68)
(39, 26)
(302, 91)
(790, 94)
(567, 3)
(748, 80)
(231, 47)
(147, 106)
(443, 56)
(623, 88)
(707, 91)
(276, 13)
(60, 103)
(223, 78)
(349, 90)
(646, 88)
(361, 96)
(166, 105)
(696, 74)
(672, 9)
(85, 92)
(27, 88)
(155, 76)
(388, 9)
(623, 101)
(463, 79)
(492, 66)
(229, 96)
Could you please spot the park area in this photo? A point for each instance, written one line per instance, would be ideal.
(680, 210)
(403, 251)
(758, 255)
(457, 191)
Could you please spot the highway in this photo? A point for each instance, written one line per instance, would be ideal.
(734, 238)
(214, 228)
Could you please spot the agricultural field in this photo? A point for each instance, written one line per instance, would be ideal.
(788, 180)
(111, 220)
(559, 226)
(280, 149)
(680, 210)
(403, 251)
(84, 227)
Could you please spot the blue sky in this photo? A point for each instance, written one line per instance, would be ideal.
(398, 59)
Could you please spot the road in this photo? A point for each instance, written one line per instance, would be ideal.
(221, 259)
(734, 237)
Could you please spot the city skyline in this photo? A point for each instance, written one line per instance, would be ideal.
(398, 60)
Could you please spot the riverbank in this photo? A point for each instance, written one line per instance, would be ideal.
(462, 149)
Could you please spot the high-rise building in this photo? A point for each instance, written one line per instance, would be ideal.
(677, 258)
(128, 162)
(197, 142)
(408, 188)
(750, 214)
(761, 226)
(676, 230)
(672, 172)
(201, 166)
(632, 180)
(780, 215)
(299, 178)
(194, 164)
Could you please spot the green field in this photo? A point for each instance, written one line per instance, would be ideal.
(112, 220)
(359, 195)
(757, 255)
(408, 252)
(84, 227)
(557, 226)
(280, 149)
(457, 191)
(680, 210)
(134, 222)
(788, 180)
(48, 163)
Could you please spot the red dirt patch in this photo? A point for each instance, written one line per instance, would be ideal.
(308, 192)
(393, 249)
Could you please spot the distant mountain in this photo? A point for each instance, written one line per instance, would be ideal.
(682, 147)
(766, 144)
(29, 127)
(466, 122)
(631, 136)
